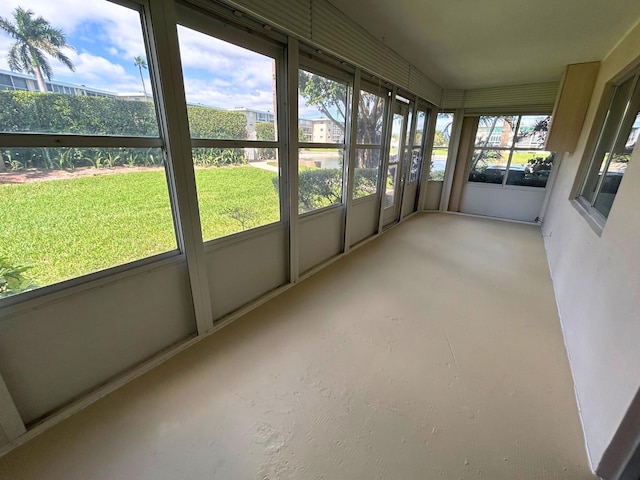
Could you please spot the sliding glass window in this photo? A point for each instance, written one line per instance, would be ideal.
(422, 118)
(82, 177)
(440, 151)
(322, 107)
(618, 138)
(370, 127)
(509, 150)
(231, 90)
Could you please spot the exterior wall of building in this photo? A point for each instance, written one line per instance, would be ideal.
(597, 278)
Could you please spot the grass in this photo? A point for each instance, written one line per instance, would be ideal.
(66, 228)
(518, 157)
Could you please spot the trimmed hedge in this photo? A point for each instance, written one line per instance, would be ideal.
(36, 112)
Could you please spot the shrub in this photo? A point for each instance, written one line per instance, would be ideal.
(265, 131)
(37, 112)
(323, 187)
(12, 279)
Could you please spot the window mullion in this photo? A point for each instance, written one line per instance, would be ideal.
(161, 21)
(35, 140)
(513, 144)
(350, 157)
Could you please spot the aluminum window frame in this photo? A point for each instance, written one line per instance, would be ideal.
(588, 206)
(384, 93)
(207, 23)
(63, 140)
(512, 148)
(314, 65)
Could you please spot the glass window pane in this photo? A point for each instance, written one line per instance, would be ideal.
(624, 145)
(440, 150)
(392, 178)
(532, 132)
(407, 139)
(320, 178)
(99, 208)
(420, 127)
(416, 161)
(496, 131)
(609, 187)
(370, 118)
(617, 107)
(443, 130)
(5, 80)
(230, 90)
(235, 194)
(93, 90)
(438, 164)
(396, 131)
(489, 166)
(366, 172)
(322, 104)
(530, 169)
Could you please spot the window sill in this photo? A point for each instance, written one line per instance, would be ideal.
(507, 187)
(590, 214)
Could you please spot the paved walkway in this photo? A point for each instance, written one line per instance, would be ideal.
(264, 166)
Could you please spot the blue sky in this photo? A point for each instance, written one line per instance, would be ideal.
(106, 37)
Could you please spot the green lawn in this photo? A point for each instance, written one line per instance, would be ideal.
(66, 228)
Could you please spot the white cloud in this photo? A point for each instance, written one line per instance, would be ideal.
(108, 37)
(221, 74)
(209, 93)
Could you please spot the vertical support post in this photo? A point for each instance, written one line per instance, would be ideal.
(166, 72)
(350, 164)
(452, 159)
(292, 156)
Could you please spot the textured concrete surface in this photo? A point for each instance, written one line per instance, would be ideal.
(434, 352)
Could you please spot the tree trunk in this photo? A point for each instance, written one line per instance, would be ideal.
(3, 167)
(144, 88)
(40, 79)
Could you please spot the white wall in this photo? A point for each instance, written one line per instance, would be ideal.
(597, 281)
(62, 348)
(515, 203)
(434, 193)
(244, 269)
(320, 237)
(364, 218)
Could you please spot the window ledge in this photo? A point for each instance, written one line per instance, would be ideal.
(593, 218)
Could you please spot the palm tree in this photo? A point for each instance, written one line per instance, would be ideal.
(141, 63)
(34, 37)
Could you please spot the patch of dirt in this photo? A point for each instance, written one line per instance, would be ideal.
(38, 175)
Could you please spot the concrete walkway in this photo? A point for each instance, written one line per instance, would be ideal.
(264, 166)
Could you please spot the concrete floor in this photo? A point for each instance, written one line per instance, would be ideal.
(434, 352)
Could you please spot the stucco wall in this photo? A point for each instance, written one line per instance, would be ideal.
(597, 280)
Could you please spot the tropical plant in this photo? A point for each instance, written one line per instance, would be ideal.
(35, 39)
(13, 279)
(140, 62)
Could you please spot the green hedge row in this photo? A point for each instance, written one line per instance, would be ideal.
(36, 112)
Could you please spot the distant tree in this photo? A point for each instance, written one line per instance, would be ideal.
(302, 137)
(326, 95)
(35, 38)
(265, 131)
(141, 63)
(330, 98)
(439, 139)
